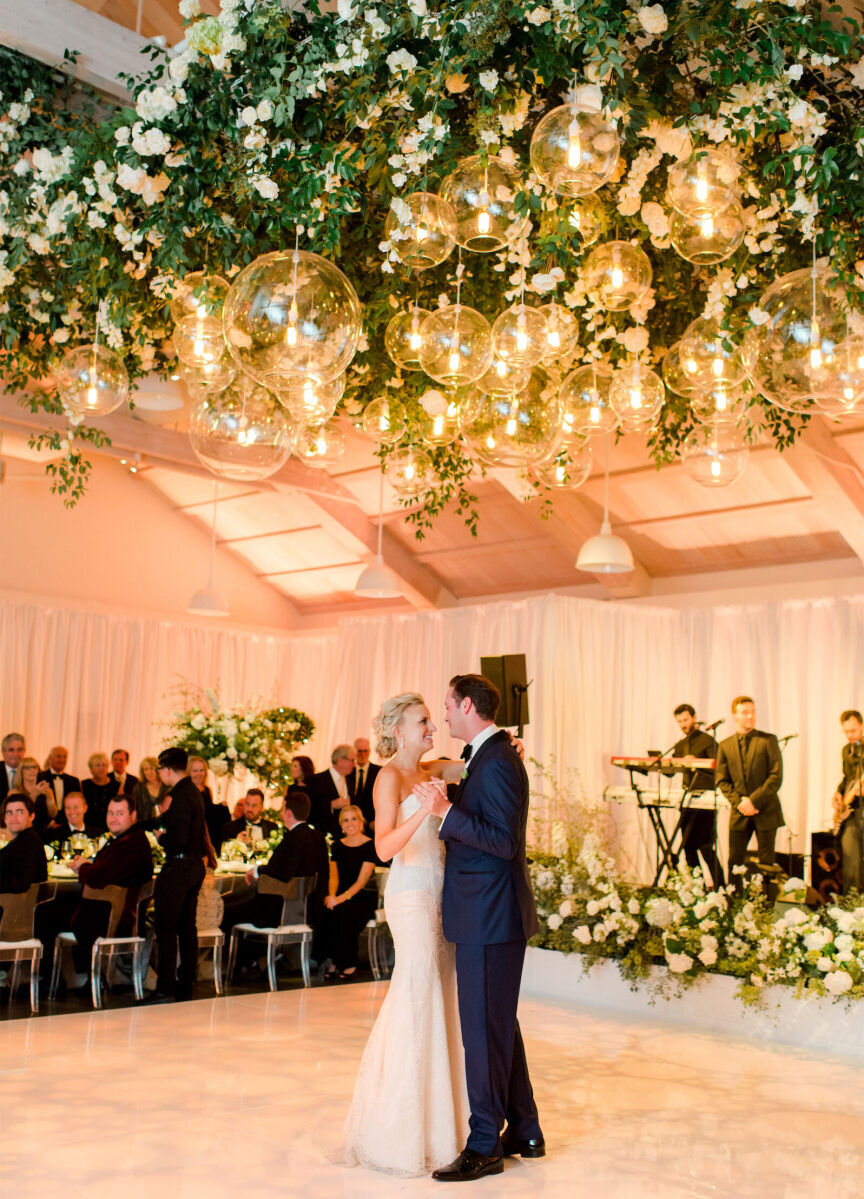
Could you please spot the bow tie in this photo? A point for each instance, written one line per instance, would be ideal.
(467, 751)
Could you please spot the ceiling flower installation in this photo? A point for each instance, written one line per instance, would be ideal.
(487, 231)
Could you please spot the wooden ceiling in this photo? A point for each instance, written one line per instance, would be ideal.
(158, 17)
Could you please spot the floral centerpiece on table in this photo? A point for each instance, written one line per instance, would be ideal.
(233, 740)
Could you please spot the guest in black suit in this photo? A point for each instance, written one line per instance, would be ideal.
(749, 772)
(361, 780)
(22, 860)
(74, 820)
(851, 829)
(330, 790)
(13, 749)
(698, 825)
(251, 826)
(175, 898)
(215, 814)
(98, 789)
(120, 775)
(126, 861)
(55, 775)
(302, 771)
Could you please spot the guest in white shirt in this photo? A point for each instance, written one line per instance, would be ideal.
(332, 790)
(55, 775)
(13, 749)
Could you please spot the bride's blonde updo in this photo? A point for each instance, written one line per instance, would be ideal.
(390, 716)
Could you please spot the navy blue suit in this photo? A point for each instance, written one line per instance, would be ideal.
(488, 912)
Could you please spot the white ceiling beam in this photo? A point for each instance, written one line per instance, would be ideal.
(45, 29)
(833, 478)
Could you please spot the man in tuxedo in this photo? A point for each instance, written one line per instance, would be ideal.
(361, 780)
(56, 777)
(698, 825)
(73, 820)
(749, 772)
(488, 911)
(22, 860)
(251, 826)
(330, 790)
(125, 861)
(13, 749)
(851, 830)
(120, 773)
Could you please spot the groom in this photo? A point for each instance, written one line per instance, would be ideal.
(488, 911)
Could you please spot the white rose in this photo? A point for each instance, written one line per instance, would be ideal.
(652, 18)
(566, 908)
(679, 963)
(488, 80)
(839, 982)
(248, 116)
(434, 403)
(401, 61)
(794, 72)
(758, 316)
(418, 7)
(554, 922)
(121, 135)
(190, 9)
(266, 188)
(824, 964)
(264, 110)
(582, 934)
(539, 16)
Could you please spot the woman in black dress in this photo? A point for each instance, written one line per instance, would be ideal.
(302, 769)
(98, 789)
(349, 905)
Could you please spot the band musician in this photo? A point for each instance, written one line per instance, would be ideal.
(848, 808)
(749, 772)
(698, 825)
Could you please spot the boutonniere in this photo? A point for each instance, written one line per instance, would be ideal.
(464, 774)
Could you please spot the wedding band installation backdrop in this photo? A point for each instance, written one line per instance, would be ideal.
(606, 677)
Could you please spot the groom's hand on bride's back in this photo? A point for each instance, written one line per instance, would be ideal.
(518, 746)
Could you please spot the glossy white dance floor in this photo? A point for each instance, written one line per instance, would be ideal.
(242, 1097)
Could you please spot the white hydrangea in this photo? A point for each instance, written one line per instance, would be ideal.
(678, 963)
(555, 921)
(539, 16)
(652, 18)
(149, 141)
(48, 167)
(266, 187)
(155, 103)
(401, 62)
(190, 9)
(488, 80)
(838, 982)
(582, 934)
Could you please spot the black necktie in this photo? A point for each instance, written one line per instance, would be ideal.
(467, 751)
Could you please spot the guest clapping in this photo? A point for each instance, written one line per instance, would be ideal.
(44, 800)
(349, 905)
(120, 775)
(98, 789)
(150, 791)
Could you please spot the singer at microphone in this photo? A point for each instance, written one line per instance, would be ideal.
(698, 825)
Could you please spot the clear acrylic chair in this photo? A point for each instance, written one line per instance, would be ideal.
(214, 938)
(17, 943)
(291, 930)
(377, 930)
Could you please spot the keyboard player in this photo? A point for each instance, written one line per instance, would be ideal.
(698, 825)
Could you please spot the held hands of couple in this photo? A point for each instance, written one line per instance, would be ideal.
(432, 794)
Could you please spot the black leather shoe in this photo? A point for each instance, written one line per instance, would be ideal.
(155, 997)
(513, 1147)
(468, 1166)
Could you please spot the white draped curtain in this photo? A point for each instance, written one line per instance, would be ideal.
(606, 677)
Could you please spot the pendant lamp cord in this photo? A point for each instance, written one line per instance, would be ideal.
(380, 558)
(606, 484)
(213, 536)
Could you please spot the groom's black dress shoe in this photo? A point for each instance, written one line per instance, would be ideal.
(468, 1166)
(513, 1147)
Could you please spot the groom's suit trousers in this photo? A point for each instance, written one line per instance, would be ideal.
(499, 1089)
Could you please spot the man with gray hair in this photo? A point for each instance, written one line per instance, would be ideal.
(332, 790)
(13, 748)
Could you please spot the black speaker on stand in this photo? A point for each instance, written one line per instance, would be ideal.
(509, 673)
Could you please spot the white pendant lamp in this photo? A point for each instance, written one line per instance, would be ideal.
(378, 581)
(209, 601)
(606, 553)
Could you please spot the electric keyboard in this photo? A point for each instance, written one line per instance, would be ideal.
(666, 765)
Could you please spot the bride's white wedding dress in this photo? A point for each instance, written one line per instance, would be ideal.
(409, 1114)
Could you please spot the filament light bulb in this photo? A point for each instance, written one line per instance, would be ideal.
(92, 395)
(574, 147)
(483, 222)
(594, 415)
(454, 360)
(715, 468)
(706, 227)
(636, 397)
(717, 367)
(617, 276)
(701, 184)
(438, 425)
(553, 339)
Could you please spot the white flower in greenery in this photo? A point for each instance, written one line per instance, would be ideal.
(266, 187)
(582, 934)
(156, 103)
(248, 116)
(633, 907)
(400, 61)
(838, 982)
(434, 403)
(264, 111)
(488, 80)
(345, 9)
(539, 16)
(418, 7)
(844, 942)
(635, 339)
(652, 18)
(818, 939)
(150, 141)
(856, 70)
(592, 907)
(555, 921)
(660, 912)
(679, 963)
(190, 9)
(178, 67)
(122, 135)
(794, 72)
(824, 964)
(565, 909)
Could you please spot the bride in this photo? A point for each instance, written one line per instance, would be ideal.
(409, 1114)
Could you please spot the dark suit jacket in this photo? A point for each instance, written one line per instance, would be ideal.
(487, 891)
(126, 861)
(232, 827)
(301, 852)
(56, 836)
(70, 781)
(130, 784)
(322, 792)
(23, 862)
(853, 763)
(363, 797)
(759, 778)
(183, 823)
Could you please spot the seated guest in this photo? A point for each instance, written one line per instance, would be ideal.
(215, 814)
(55, 775)
(251, 826)
(125, 861)
(44, 801)
(349, 906)
(13, 749)
(22, 860)
(302, 771)
(98, 789)
(120, 775)
(73, 822)
(330, 790)
(150, 791)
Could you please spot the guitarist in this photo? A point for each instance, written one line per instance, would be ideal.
(848, 809)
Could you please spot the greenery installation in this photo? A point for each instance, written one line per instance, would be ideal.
(275, 125)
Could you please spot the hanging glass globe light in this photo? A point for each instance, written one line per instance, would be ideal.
(617, 274)
(793, 358)
(410, 472)
(209, 377)
(718, 404)
(569, 470)
(519, 334)
(512, 431)
(383, 420)
(455, 345)
(320, 445)
(402, 337)
(636, 393)
(199, 295)
(709, 357)
(504, 376)
(584, 397)
(242, 433)
(709, 239)
(703, 185)
(307, 400)
(850, 373)
(574, 152)
(715, 454)
(674, 375)
(482, 196)
(92, 381)
(198, 342)
(421, 229)
(292, 313)
(442, 428)
(584, 218)
(561, 335)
